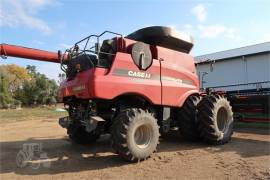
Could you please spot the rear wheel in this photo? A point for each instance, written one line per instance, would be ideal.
(79, 135)
(135, 134)
(215, 119)
(187, 119)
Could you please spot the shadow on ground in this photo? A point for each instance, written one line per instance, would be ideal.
(67, 157)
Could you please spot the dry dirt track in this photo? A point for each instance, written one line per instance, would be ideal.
(246, 157)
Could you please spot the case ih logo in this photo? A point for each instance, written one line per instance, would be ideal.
(78, 88)
(145, 75)
(139, 74)
(135, 74)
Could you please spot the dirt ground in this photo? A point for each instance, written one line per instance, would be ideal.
(247, 156)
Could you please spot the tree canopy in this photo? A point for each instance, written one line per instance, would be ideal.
(25, 86)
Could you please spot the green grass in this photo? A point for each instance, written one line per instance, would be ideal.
(12, 115)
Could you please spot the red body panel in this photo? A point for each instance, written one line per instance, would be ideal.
(113, 84)
(168, 85)
(100, 83)
(179, 78)
(78, 87)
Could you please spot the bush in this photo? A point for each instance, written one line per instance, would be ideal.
(18, 104)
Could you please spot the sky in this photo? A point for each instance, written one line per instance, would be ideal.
(215, 25)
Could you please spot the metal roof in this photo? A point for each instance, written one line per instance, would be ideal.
(242, 51)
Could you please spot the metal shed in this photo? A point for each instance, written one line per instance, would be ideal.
(243, 73)
(244, 68)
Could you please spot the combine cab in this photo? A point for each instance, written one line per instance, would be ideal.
(135, 88)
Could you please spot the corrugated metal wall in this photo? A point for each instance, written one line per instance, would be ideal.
(247, 72)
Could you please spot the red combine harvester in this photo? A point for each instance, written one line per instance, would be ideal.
(135, 88)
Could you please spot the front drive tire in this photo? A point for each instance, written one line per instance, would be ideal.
(135, 134)
(187, 119)
(215, 119)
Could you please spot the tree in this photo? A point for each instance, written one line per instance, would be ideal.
(5, 95)
(14, 75)
(25, 85)
(40, 90)
(31, 70)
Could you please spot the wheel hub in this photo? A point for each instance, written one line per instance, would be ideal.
(222, 119)
(143, 136)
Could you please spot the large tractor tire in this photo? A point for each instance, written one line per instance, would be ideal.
(79, 135)
(135, 134)
(187, 119)
(215, 119)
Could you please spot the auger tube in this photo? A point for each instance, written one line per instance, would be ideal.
(7, 50)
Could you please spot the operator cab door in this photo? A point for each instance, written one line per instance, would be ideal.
(178, 76)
